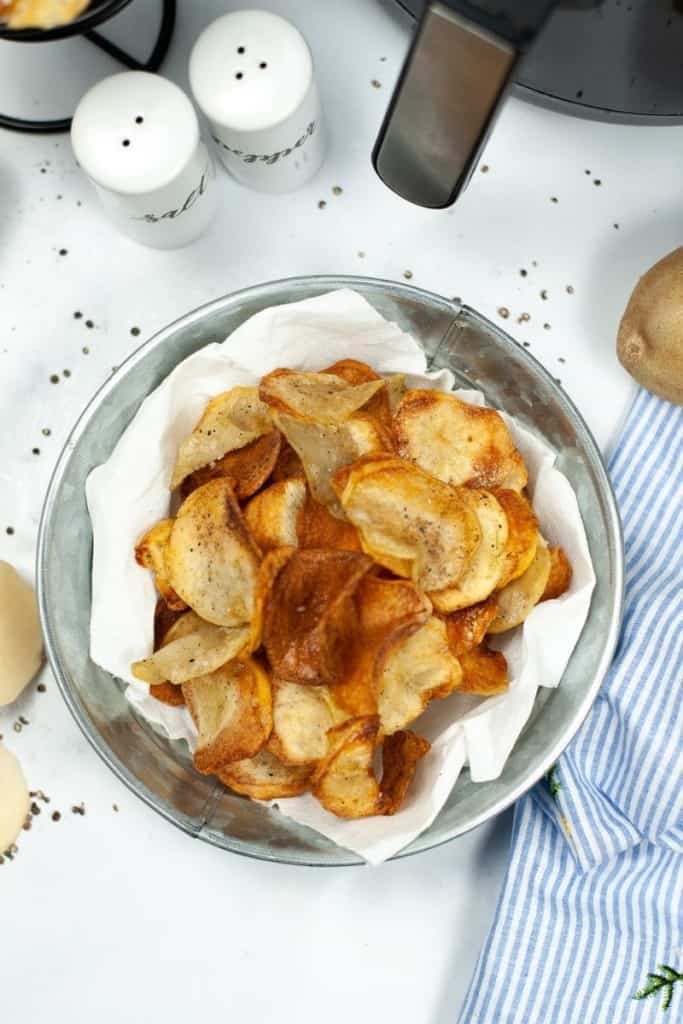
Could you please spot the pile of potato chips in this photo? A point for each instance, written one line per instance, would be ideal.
(341, 548)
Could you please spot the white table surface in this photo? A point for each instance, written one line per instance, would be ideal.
(116, 915)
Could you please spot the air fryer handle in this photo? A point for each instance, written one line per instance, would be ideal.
(450, 89)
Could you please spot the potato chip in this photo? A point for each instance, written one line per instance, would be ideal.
(246, 468)
(484, 672)
(325, 448)
(268, 572)
(43, 14)
(150, 553)
(468, 627)
(560, 575)
(400, 754)
(457, 442)
(273, 515)
(288, 463)
(191, 647)
(232, 711)
(520, 597)
(164, 617)
(315, 397)
(167, 693)
(522, 535)
(264, 777)
(344, 781)
(230, 421)
(211, 558)
(484, 568)
(413, 524)
(302, 716)
(310, 615)
(379, 406)
(318, 528)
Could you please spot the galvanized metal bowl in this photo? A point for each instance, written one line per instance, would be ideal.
(160, 771)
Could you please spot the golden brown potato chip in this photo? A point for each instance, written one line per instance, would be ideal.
(522, 535)
(310, 615)
(247, 468)
(232, 710)
(230, 421)
(400, 754)
(413, 524)
(379, 407)
(560, 575)
(318, 528)
(415, 670)
(302, 716)
(264, 777)
(467, 628)
(344, 781)
(164, 617)
(325, 448)
(315, 397)
(484, 672)
(288, 463)
(150, 553)
(211, 558)
(273, 515)
(268, 572)
(44, 14)
(457, 442)
(191, 647)
(167, 693)
(520, 597)
(484, 568)
(396, 389)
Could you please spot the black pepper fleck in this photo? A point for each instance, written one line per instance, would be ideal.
(78, 809)
(561, 359)
(63, 252)
(54, 378)
(89, 324)
(376, 84)
(321, 204)
(616, 227)
(67, 373)
(135, 331)
(570, 289)
(523, 272)
(526, 344)
(504, 312)
(24, 721)
(337, 190)
(484, 168)
(36, 451)
(9, 530)
(46, 431)
(41, 687)
(56, 816)
(85, 350)
(554, 199)
(546, 327)
(361, 254)
(544, 293)
(35, 809)
(77, 315)
(115, 807)
(597, 181)
(407, 274)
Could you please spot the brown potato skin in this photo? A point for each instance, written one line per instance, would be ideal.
(246, 468)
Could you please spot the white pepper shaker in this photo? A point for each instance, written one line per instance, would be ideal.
(136, 136)
(251, 73)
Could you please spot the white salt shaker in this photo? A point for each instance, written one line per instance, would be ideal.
(136, 136)
(251, 73)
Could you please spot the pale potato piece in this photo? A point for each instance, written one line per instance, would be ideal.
(457, 442)
(522, 535)
(232, 710)
(344, 781)
(484, 568)
(413, 524)
(21, 640)
(316, 397)
(415, 671)
(231, 420)
(191, 648)
(325, 448)
(521, 596)
(14, 798)
(44, 14)
(301, 717)
(560, 575)
(211, 558)
(150, 553)
(273, 515)
(264, 777)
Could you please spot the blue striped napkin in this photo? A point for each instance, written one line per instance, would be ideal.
(588, 925)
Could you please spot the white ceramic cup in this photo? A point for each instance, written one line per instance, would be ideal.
(136, 136)
(251, 73)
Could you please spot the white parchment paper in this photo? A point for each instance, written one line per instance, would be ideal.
(129, 492)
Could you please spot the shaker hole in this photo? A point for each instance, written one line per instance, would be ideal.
(139, 119)
(263, 64)
(239, 75)
(241, 49)
(126, 142)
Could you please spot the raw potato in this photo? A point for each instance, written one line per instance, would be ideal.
(416, 671)
(467, 628)
(650, 339)
(21, 642)
(150, 553)
(14, 799)
(273, 515)
(344, 782)
(522, 535)
(233, 713)
(301, 717)
(484, 672)
(413, 524)
(212, 560)
(483, 572)
(457, 442)
(264, 777)
(44, 14)
(520, 597)
(316, 397)
(247, 468)
(560, 575)
(231, 420)
(192, 648)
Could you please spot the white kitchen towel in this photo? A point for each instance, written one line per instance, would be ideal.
(588, 925)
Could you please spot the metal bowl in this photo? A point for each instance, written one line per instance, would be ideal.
(160, 771)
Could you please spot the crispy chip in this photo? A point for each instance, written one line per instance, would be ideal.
(150, 553)
(413, 524)
(484, 568)
(302, 716)
(310, 615)
(273, 515)
(522, 535)
(318, 528)
(520, 597)
(44, 14)
(232, 710)
(246, 468)
(268, 572)
(191, 647)
(560, 575)
(415, 671)
(467, 628)
(164, 617)
(230, 421)
(212, 560)
(400, 754)
(288, 463)
(379, 406)
(167, 693)
(344, 781)
(264, 777)
(316, 397)
(484, 672)
(457, 442)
